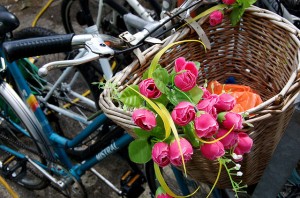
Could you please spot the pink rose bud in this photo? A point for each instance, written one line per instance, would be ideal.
(160, 154)
(144, 119)
(207, 105)
(206, 93)
(215, 18)
(183, 113)
(229, 2)
(226, 102)
(174, 154)
(149, 89)
(230, 140)
(212, 151)
(185, 81)
(205, 125)
(231, 119)
(244, 144)
(179, 64)
(182, 64)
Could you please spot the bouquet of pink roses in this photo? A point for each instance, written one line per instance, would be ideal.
(204, 121)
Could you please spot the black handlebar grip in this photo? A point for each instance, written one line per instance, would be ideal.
(17, 49)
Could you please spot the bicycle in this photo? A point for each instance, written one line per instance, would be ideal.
(50, 146)
(109, 16)
(287, 9)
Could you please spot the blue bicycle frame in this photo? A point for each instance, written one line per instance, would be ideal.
(61, 143)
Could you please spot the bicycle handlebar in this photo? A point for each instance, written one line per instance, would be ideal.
(94, 45)
(14, 50)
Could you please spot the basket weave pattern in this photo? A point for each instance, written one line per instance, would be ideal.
(262, 51)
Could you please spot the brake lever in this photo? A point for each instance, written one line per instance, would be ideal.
(94, 49)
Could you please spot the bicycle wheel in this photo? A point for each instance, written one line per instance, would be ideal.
(187, 186)
(86, 15)
(21, 132)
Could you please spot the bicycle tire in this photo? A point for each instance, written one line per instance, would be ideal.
(14, 110)
(90, 74)
(170, 179)
(71, 9)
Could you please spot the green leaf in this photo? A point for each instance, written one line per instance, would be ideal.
(145, 74)
(175, 96)
(246, 3)
(161, 78)
(239, 9)
(140, 151)
(236, 15)
(158, 132)
(195, 94)
(162, 99)
(197, 64)
(130, 98)
(141, 133)
(249, 124)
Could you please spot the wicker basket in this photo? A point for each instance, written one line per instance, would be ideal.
(262, 51)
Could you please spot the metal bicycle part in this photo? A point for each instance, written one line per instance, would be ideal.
(69, 97)
(18, 126)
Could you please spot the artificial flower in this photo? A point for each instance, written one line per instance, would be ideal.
(231, 119)
(175, 154)
(244, 144)
(212, 151)
(205, 125)
(148, 88)
(183, 113)
(160, 153)
(144, 119)
(216, 18)
(226, 102)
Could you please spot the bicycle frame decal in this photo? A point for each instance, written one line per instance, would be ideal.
(32, 102)
(107, 151)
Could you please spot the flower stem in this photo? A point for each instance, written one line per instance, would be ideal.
(217, 179)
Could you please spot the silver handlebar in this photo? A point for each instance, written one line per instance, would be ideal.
(95, 48)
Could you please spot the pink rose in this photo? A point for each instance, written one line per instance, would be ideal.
(229, 2)
(188, 72)
(231, 119)
(215, 18)
(205, 125)
(207, 104)
(174, 154)
(183, 113)
(206, 93)
(226, 102)
(185, 81)
(182, 64)
(149, 89)
(144, 119)
(244, 144)
(230, 140)
(160, 154)
(212, 151)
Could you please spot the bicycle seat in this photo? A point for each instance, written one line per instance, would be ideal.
(8, 21)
